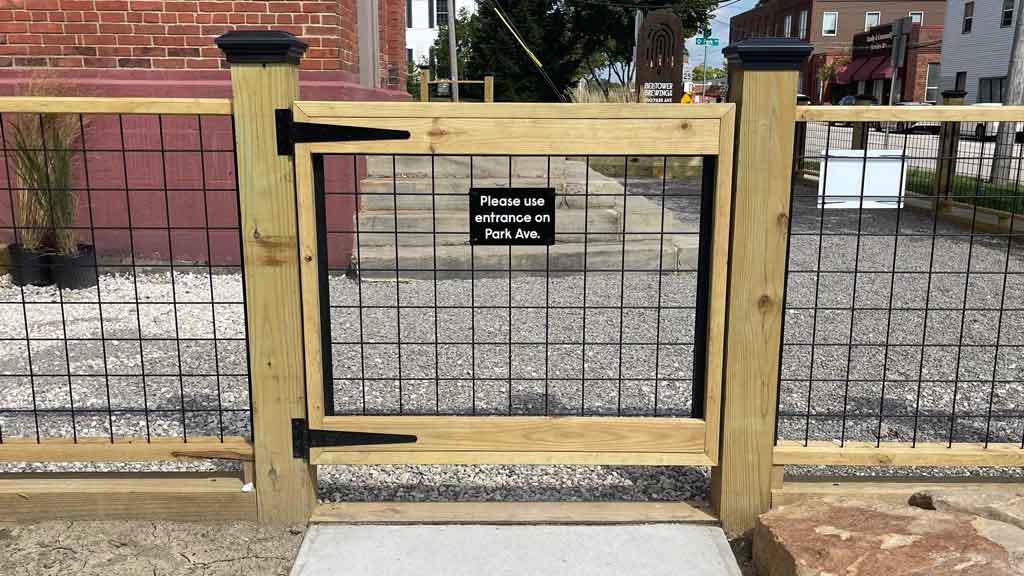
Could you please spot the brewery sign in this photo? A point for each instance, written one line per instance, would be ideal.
(659, 67)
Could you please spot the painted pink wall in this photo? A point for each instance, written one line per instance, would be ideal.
(123, 206)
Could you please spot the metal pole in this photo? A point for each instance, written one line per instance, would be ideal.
(637, 18)
(704, 78)
(453, 55)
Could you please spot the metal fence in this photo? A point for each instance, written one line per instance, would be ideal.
(123, 314)
(904, 314)
(604, 322)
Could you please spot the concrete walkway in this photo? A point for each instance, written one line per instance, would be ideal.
(454, 550)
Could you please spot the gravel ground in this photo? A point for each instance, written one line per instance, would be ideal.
(213, 337)
(152, 548)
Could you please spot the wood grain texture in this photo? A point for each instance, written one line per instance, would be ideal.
(488, 88)
(526, 433)
(77, 105)
(311, 111)
(908, 113)
(266, 187)
(715, 360)
(309, 271)
(179, 497)
(512, 513)
(325, 457)
(123, 449)
(763, 170)
(532, 136)
(890, 491)
(899, 454)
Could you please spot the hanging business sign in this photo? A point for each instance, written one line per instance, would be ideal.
(659, 66)
(512, 216)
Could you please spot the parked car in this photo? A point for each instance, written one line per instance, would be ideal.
(850, 100)
(988, 130)
(911, 127)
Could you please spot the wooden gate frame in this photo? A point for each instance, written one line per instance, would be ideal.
(524, 129)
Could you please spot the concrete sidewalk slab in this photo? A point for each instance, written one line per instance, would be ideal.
(455, 550)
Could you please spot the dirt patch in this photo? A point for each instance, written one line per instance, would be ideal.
(149, 548)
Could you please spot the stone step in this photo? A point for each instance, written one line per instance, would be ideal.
(417, 227)
(379, 193)
(447, 227)
(459, 166)
(642, 252)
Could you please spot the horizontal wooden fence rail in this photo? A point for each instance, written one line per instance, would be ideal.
(123, 449)
(909, 113)
(77, 105)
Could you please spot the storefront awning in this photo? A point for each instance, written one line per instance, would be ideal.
(884, 71)
(866, 71)
(846, 75)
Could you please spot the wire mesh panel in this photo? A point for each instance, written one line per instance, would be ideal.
(122, 314)
(904, 307)
(606, 321)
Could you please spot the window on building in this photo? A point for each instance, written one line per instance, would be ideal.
(961, 82)
(829, 23)
(991, 89)
(968, 18)
(872, 19)
(787, 26)
(931, 82)
(430, 14)
(408, 56)
(917, 17)
(1006, 16)
(408, 14)
(803, 24)
(442, 12)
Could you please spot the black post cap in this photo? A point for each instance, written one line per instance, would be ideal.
(261, 47)
(768, 53)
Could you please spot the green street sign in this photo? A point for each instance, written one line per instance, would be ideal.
(710, 41)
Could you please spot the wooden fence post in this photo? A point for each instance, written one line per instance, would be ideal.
(265, 77)
(424, 84)
(949, 143)
(488, 88)
(762, 83)
(861, 130)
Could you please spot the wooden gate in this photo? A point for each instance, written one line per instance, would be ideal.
(412, 132)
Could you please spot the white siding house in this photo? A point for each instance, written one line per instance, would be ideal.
(422, 19)
(976, 47)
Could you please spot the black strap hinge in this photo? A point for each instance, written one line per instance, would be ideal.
(303, 438)
(290, 133)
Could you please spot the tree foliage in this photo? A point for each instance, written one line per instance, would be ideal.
(712, 73)
(571, 39)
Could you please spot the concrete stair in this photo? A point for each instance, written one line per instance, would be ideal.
(427, 200)
(464, 261)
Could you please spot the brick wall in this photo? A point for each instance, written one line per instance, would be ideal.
(166, 47)
(163, 34)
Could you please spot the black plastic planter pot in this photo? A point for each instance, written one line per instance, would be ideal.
(29, 267)
(74, 272)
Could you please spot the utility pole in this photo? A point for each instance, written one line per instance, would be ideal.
(453, 54)
(637, 18)
(1003, 154)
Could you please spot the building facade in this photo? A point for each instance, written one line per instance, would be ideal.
(870, 70)
(829, 26)
(165, 47)
(423, 18)
(976, 54)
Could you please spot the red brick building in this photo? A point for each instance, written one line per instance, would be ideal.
(151, 204)
(165, 47)
(829, 26)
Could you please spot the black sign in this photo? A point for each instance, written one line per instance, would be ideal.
(660, 58)
(512, 216)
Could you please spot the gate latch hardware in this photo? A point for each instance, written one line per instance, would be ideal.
(303, 438)
(290, 133)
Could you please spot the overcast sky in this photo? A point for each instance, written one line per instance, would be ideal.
(720, 29)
